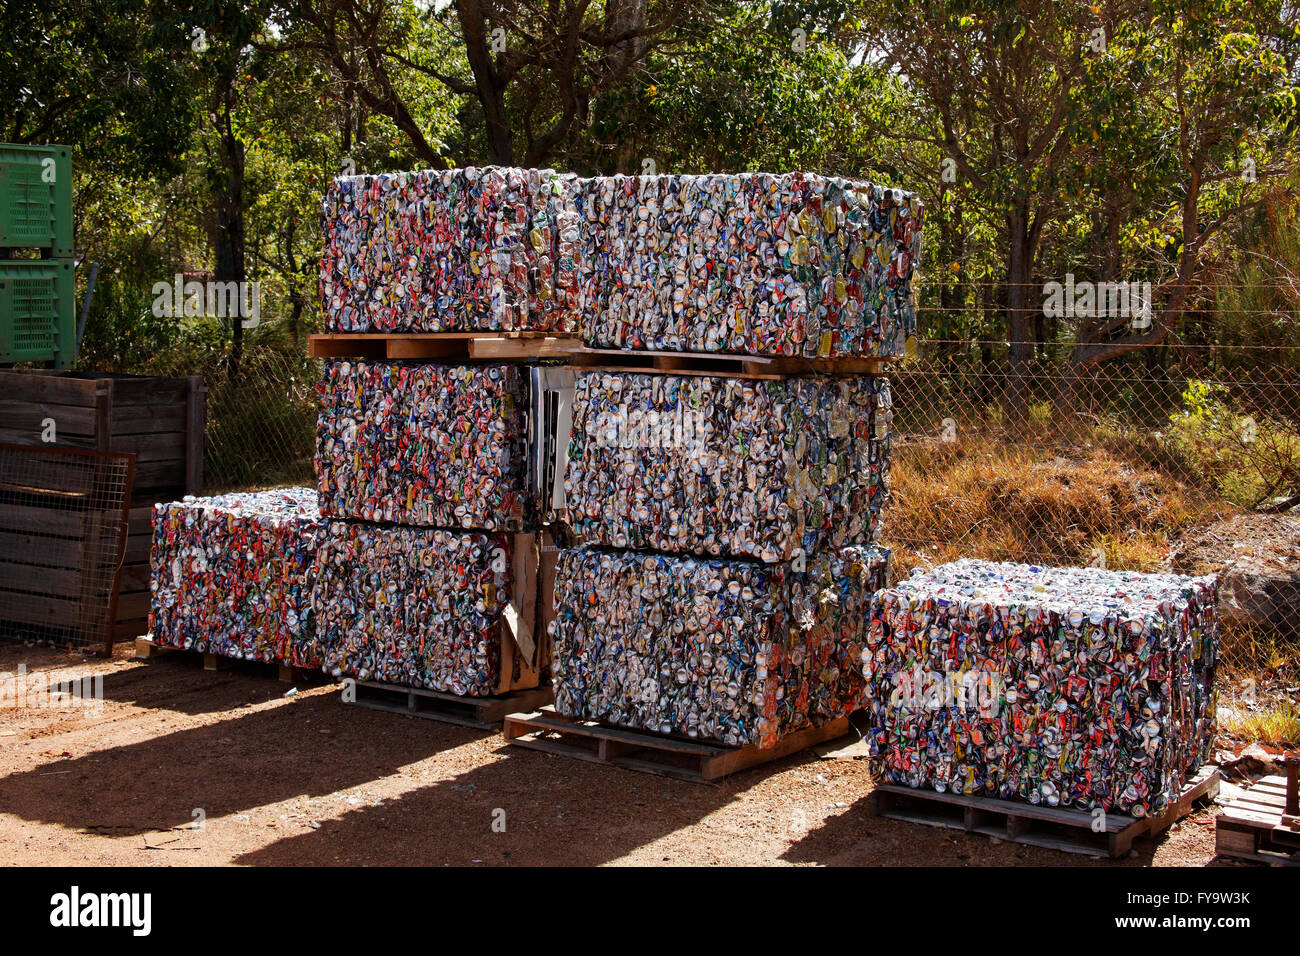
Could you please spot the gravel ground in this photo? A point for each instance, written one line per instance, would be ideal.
(308, 780)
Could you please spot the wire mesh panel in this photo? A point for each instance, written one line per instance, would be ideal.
(63, 526)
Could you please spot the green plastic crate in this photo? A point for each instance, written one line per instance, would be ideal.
(36, 199)
(38, 311)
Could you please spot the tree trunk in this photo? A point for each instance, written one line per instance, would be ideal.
(230, 239)
(491, 94)
(1020, 267)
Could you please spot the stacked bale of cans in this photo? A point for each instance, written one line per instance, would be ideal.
(755, 263)
(436, 453)
(450, 250)
(729, 527)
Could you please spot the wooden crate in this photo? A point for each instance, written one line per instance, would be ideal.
(444, 346)
(652, 753)
(62, 538)
(159, 420)
(1071, 831)
(1256, 827)
(722, 364)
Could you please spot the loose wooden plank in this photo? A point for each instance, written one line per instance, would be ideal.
(1240, 813)
(61, 388)
(27, 417)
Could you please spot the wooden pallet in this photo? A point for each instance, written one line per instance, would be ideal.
(1070, 831)
(1255, 826)
(651, 753)
(722, 364)
(448, 346)
(482, 713)
(146, 649)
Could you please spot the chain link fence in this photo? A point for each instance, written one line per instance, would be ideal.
(261, 409)
(1183, 459)
(261, 429)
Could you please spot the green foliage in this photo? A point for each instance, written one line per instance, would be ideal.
(101, 76)
(1248, 458)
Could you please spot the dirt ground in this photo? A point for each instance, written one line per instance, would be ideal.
(308, 780)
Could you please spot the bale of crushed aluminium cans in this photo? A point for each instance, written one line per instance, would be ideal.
(232, 575)
(793, 264)
(726, 466)
(423, 444)
(1073, 687)
(451, 250)
(735, 652)
(417, 607)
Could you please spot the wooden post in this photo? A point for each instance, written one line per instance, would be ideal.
(195, 426)
(103, 413)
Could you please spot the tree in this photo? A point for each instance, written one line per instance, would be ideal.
(1125, 116)
(532, 70)
(1214, 94)
(100, 76)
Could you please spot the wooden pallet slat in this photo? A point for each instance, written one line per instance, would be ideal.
(481, 713)
(723, 364)
(451, 346)
(694, 761)
(1055, 828)
(1254, 826)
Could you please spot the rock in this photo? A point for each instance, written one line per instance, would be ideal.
(1253, 762)
(1262, 599)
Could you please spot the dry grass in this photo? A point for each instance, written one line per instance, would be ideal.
(1058, 506)
(1276, 724)
(1001, 502)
